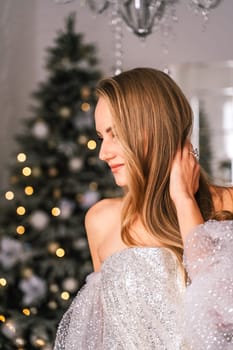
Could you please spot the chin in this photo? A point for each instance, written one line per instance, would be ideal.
(120, 182)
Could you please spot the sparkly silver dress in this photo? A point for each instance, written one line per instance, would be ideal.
(138, 301)
(133, 303)
(208, 301)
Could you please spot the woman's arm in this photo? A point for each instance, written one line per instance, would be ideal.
(184, 183)
(208, 258)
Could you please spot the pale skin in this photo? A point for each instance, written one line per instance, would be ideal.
(103, 220)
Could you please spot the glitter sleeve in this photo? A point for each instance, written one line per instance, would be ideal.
(208, 258)
(133, 303)
(82, 325)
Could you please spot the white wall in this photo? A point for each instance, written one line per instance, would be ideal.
(27, 27)
(17, 71)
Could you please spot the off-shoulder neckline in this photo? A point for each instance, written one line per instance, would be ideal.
(125, 250)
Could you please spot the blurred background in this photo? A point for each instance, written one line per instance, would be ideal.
(53, 52)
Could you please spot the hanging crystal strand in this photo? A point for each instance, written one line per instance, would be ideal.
(166, 29)
(203, 7)
(116, 24)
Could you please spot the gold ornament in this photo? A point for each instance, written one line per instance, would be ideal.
(13, 179)
(82, 140)
(65, 112)
(52, 247)
(52, 305)
(85, 107)
(56, 193)
(36, 172)
(79, 198)
(93, 186)
(85, 92)
(27, 272)
(54, 288)
(53, 172)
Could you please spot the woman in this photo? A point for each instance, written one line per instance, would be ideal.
(134, 299)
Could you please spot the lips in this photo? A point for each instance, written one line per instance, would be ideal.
(115, 167)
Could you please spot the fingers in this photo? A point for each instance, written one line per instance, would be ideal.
(188, 151)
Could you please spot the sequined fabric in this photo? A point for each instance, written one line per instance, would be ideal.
(133, 303)
(208, 303)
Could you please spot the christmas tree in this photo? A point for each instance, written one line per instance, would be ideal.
(54, 178)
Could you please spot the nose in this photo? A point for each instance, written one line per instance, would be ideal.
(106, 152)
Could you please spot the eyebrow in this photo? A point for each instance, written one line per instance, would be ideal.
(109, 129)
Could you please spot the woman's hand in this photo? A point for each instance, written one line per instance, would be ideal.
(185, 174)
(184, 183)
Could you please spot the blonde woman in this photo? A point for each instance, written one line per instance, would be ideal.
(135, 298)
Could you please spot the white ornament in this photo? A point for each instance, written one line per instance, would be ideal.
(80, 243)
(11, 252)
(66, 206)
(34, 289)
(39, 220)
(84, 120)
(70, 284)
(89, 198)
(65, 112)
(40, 130)
(9, 329)
(75, 164)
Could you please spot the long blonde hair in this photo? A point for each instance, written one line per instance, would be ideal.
(152, 117)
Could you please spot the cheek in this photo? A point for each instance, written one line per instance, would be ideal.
(120, 151)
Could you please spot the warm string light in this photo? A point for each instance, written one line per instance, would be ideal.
(60, 252)
(21, 157)
(29, 190)
(56, 211)
(26, 312)
(20, 210)
(65, 295)
(91, 144)
(2, 318)
(20, 230)
(9, 195)
(3, 282)
(26, 171)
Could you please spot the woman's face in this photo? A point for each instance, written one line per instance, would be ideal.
(111, 150)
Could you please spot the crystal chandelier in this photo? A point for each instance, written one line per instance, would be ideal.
(141, 16)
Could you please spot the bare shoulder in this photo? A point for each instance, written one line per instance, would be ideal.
(103, 211)
(222, 197)
(101, 219)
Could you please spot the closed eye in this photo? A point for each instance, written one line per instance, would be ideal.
(100, 138)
